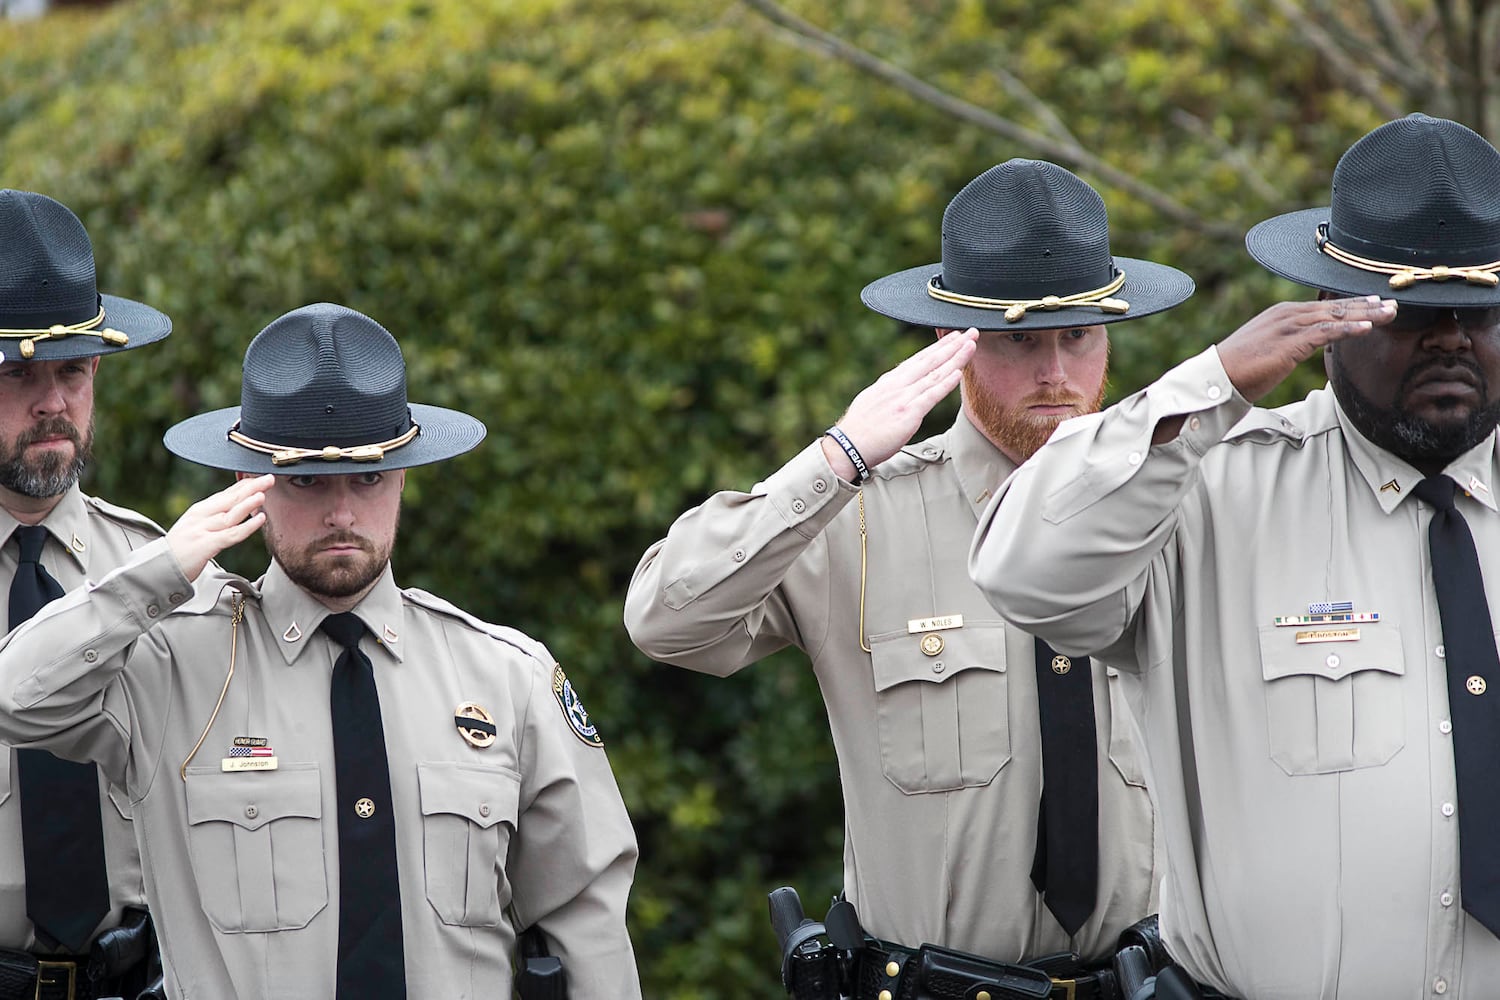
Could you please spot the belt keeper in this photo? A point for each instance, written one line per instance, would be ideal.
(861, 470)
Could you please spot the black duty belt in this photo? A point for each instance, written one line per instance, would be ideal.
(884, 971)
(24, 976)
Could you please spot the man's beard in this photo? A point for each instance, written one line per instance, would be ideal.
(329, 576)
(1018, 432)
(1406, 435)
(50, 473)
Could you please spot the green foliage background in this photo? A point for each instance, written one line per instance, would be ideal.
(630, 235)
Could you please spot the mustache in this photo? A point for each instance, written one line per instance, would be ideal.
(50, 427)
(1420, 372)
(1054, 399)
(342, 538)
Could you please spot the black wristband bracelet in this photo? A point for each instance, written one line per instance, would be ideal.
(861, 470)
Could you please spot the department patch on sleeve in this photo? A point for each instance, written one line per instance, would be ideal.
(573, 710)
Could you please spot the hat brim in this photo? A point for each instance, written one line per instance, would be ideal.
(138, 321)
(1149, 288)
(1287, 245)
(204, 439)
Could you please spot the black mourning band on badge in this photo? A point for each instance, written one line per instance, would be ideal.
(464, 722)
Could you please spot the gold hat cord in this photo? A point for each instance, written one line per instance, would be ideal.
(1403, 275)
(60, 330)
(288, 455)
(1015, 309)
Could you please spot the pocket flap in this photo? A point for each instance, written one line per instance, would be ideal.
(251, 799)
(898, 657)
(481, 793)
(1377, 648)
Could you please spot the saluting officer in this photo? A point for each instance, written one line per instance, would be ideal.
(1309, 593)
(68, 862)
(994, 792)
(343, 788)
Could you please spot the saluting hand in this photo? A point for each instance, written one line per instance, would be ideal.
(886, 414)
(215, 523)
(1263, 352)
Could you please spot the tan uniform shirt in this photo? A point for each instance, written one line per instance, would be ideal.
(939, 753)
(86, 537)
(1305, 788)
(242, 865)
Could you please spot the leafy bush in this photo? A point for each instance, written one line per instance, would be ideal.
(629, 235)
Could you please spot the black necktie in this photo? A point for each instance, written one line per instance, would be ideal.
(371, 962)
(1066, 866)
(62, 834)
(1473, 670)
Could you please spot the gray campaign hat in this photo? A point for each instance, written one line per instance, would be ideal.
(323, 393)
(50, 306)
(1414, 216)
(1026, 247)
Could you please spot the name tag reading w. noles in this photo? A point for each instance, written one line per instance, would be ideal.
(934, 624)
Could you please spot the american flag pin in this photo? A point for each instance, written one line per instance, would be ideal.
(249, 753)
(1329, 607)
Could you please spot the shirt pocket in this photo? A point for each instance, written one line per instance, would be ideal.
(1125, 751)
(1333, 706)
(468, 816)
(256, 841)
(943, 719)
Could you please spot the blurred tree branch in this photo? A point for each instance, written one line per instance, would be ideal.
(1437, 56)
(1059, 146)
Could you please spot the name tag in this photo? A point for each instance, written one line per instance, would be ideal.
(934, 624)
(1329, 635)
(247, 764)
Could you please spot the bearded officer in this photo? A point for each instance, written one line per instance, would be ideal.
(343, 788)
(1307, 592)
(69, 869)
(994, 796)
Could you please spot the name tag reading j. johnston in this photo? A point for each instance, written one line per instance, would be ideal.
(934, 624)
(1329, 635)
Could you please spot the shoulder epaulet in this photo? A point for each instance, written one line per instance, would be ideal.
(511, 637)
(1293, 422)
(913, 457)
(124, 515)
(215, 590)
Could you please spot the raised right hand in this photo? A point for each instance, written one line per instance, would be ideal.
(215, 523)
(887, 413)
(1261, 354)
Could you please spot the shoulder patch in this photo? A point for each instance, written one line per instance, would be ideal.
(511, 637)
(124, 515)
(573, 710)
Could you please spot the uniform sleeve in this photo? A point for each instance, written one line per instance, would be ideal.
(60, 685)
(572, 856)
(710, 595)
(1065, 548)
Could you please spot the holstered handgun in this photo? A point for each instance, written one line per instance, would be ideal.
(1145, 971)
(812, 968)
(120, 949)
(539, 975)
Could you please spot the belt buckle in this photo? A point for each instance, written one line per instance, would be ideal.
(1069, 988)
(69, 970)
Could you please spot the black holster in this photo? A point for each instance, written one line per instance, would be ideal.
(539, 976)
